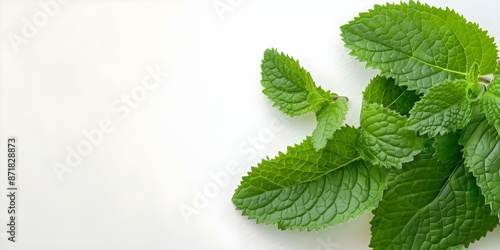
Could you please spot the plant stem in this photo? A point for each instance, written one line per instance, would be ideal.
(484, 80)
(334, 98)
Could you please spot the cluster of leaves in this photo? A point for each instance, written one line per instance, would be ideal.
(426, 156)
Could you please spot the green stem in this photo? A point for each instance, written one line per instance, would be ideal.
(334, 98)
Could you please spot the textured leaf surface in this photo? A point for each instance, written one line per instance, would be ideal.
(384, 139)
(445, 108)
(305, 189)
(474, 89)
(289, 86)
(447, 148)
(431, 205)
(473, 74)
(482, 157)
(419, 45)
(490, 103)
(383, 90)
(330, 118)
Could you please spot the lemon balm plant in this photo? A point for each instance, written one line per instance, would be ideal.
(426, 156)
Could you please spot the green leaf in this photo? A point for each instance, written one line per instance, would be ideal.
(490, 103)
(473, 74)
(383, 90)
(431, 205)
(330, 118)
(293, 90)
(447, 148)
(384, 140)
(289, 86)
(305, 189)
(474, 89)
(482, 157)
(419, 45)
(317, 96)
(445, 108)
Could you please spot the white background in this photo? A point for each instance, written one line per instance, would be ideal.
(70, 73)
